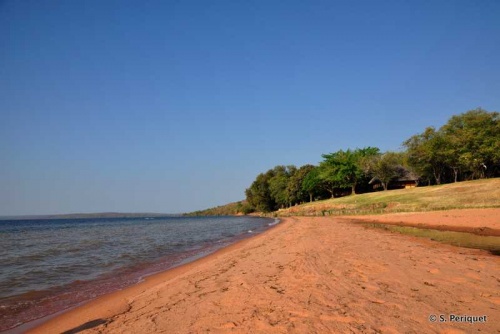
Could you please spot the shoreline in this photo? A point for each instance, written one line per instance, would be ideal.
(137, 275)
(117, 297)
(28, 310)
(306, 274)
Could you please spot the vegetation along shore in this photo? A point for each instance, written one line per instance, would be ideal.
(466, 148)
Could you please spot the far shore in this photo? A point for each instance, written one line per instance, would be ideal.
(314, 275)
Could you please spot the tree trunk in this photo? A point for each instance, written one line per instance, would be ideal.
(310, 197)
(437, 176)
(455, 171)
(483, 169)
(384, 185)
(353, 189)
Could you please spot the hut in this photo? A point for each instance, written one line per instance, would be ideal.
(405, 180)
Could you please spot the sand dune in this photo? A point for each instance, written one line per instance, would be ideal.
(307, 275)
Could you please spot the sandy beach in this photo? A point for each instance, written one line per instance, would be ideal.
(313, 275)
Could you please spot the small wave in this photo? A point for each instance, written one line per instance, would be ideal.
(276, 221)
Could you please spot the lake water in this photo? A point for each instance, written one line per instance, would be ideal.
(50, 265)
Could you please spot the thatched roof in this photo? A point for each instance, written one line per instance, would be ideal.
(407, 176)
(404, 175)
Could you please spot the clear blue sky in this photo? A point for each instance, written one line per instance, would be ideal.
(172, 106)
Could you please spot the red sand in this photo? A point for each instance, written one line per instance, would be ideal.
(477, 221)
(311, 275)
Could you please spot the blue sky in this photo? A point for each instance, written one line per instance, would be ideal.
(172, 106)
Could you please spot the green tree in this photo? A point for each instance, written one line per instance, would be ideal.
(426, 153)
(270, 190)
(278, 185)
(472, 142)
(244, 207)
(312, 183)
(386, 167)
(295, 191)
(259, 194)
(343, 169)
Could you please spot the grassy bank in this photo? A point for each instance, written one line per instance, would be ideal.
(469, 194)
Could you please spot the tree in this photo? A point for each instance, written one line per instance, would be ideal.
(278, 185)
(386, 167)
(244, 207)
(426, 153)
(312, 183)
(472, 142)
(259, 195)
(269, 190)
(295, 190)
(343, 169)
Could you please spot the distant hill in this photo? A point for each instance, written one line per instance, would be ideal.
(88, 216)
(231, 209)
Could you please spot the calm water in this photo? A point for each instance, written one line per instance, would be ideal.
(50, 265)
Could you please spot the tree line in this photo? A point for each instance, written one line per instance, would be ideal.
(467, 147)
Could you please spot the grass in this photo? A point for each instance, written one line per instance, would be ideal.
(469, 194)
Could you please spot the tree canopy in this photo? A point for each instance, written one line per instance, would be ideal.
(385, 167)
(466, 147)
(344, 168)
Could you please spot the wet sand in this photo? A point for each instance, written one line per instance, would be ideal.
(309, 275)
(476, 221)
